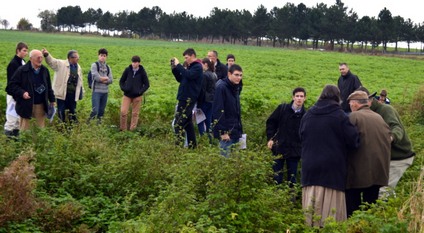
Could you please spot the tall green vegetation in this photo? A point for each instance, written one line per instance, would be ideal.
(93, 178)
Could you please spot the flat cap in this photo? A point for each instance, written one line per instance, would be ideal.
(358, 95)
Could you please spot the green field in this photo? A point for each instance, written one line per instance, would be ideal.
(96, 179)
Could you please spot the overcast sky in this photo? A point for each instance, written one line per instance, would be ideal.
(15, 10)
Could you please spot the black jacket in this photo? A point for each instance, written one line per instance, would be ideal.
(208, 88)
(190, 80)
(326, 135)
(347, 85)
(221, 70)
(134, 84)
(226, 110)
(21, 82)
(282, 127)
(14, 64)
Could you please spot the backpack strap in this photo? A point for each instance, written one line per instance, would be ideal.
(108, 69)
(98, 69)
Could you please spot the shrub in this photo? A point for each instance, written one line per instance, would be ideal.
(17, 185)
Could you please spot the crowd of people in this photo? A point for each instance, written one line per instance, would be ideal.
(352, 145)
(31, 94)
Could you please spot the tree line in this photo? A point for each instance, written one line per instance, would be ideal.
(289, 25)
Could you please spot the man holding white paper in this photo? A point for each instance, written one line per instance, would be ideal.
(226, 110)
(11, 126)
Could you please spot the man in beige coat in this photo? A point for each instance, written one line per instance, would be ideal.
(67, 83)
(368, 166)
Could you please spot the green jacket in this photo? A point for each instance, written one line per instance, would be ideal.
(401, 144)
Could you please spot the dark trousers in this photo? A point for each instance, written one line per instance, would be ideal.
(355, 197)
(70, 104)
(278, 167)
(184, 123)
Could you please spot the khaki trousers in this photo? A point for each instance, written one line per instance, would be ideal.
(397, 169)
(38, 113)
(135, 104)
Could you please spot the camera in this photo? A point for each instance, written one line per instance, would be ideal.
(172, 62)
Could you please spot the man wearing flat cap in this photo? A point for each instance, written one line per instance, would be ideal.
(368, 166)
(401, 154)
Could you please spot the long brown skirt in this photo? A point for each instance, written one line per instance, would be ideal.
(320, 203)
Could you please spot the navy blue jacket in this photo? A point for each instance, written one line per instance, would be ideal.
(190, 80)
(134, 84)
(326, 135)
(226, 110)
(21, 82)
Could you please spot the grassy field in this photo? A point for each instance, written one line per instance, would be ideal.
(139, 182)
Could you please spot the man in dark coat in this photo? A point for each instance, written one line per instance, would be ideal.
(31, 87)
(190, 80)
(11, 126)
(226, 110)
(221, 69)
(347, 84)
(134, 82)
(282, 130)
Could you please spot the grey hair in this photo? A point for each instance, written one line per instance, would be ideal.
(71, 53)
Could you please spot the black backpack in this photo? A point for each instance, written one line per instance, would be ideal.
(90, 77)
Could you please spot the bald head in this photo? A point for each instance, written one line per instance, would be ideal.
(36, 58)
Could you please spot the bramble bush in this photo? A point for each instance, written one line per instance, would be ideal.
(17, 184)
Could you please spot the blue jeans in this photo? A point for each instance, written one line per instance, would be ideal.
(98, 103)
(70, 104)
(291, 170)
(226, 146)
